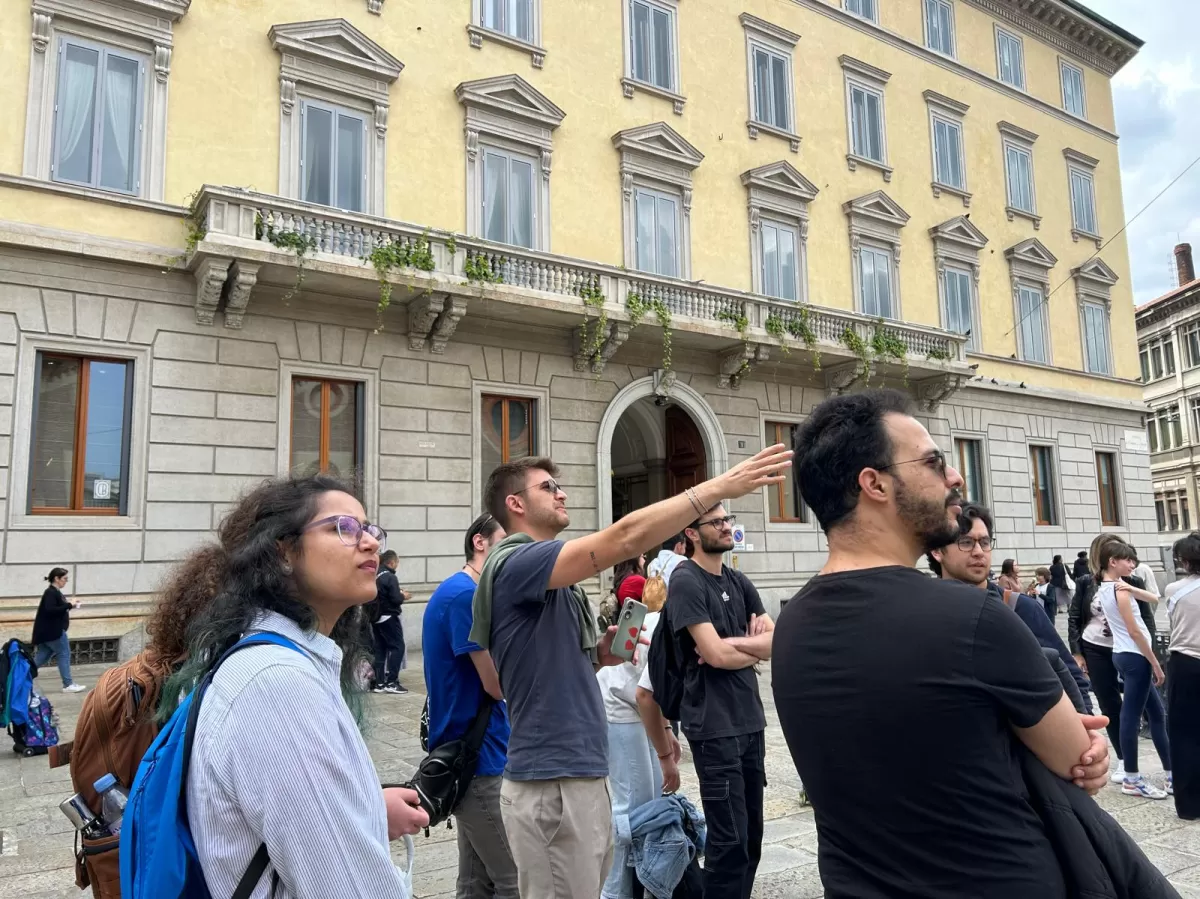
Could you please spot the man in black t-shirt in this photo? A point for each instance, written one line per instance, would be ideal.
(871, 649)
(721, 631)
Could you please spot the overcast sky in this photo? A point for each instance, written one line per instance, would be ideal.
(1157, 97)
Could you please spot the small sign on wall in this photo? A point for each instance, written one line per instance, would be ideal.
(1137, 441)
(739, 539)
(101, 489)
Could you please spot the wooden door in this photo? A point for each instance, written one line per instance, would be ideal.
(686, 462)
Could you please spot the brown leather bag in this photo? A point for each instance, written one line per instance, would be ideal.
(115, 728)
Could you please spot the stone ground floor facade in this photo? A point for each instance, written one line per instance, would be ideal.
(206, 410)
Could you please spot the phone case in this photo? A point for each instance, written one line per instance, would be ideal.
(629, 629)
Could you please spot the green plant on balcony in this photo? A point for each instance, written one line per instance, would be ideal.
(775, 326)
(737, 317)
(859, 348)
(890, 345)
(397, 254)
(452, 246)
(639, 307)
(298, 243)
(478, 268)
(595, 329)
(939, 354)
(799, 327)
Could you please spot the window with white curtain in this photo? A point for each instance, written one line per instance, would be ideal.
(948, 153)
(98, 117)
(868, 9)
(1083, 202)
(656, 234)
(1032, 331)
(960, 303)
(1072, 89)
(652, 44)
(508, 197)
(1018, 172)
(939, 26)
(511, 17)
(875, 282)
(332, 156)
(780, 255)
(866, 123)
(1097, 351)
(1010, 59)
(772, 103)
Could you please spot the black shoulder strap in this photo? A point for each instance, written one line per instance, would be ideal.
(254, 871)
(474, 736)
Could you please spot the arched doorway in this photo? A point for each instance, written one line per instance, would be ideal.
(651, 447)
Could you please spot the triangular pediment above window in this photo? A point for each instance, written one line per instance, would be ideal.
(512, 96)
(660, 140)
(338, 44)
(959, 230)
(781, 177)
(1032, 252)
(1098, 271)
(878, 206)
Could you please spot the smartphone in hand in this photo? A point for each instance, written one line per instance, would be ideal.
(629, 629)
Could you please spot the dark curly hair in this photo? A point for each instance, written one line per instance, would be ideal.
(249, 577)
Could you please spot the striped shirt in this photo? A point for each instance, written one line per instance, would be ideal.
(278, 759)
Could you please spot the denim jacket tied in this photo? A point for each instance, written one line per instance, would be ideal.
(666, 834)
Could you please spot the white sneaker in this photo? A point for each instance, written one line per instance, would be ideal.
(1118, 776)
(74, 688)
(1141, 787)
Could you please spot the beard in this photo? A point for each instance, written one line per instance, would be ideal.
(927, 518)
(714, 546)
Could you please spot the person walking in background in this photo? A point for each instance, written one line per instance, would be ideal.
(1081, 566)
(387, 628)
(50, 628)
(458, 675)
(1133, 656)
(1010, 575)
(1183, 674)
(1059, 592)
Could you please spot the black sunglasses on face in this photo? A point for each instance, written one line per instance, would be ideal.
(549, 485)
(935, 460)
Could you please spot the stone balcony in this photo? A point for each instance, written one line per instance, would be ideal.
(434, 278)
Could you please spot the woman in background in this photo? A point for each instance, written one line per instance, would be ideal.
(50, 628)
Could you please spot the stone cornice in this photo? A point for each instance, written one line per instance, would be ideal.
(1162, 310)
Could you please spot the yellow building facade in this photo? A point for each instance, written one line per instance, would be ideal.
(811, 194)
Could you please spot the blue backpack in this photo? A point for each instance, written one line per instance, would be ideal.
(158, 855)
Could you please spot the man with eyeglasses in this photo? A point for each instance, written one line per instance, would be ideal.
(969, 559)
(722, 631)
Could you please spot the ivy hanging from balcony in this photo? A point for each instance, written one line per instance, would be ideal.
(195, 229)
(737, 317)
(595, 330)
(298, 243)
(797, 326)
(938, 354)
(639, 306)
(884, 344)
(478, 268)
(397, 254)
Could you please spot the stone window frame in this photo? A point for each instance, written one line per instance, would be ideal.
(1021, 140)
(1085, 166)
(478, 32)
(142, 27)
(953, 54)
(1056, 488)
(657, 157)
(359, 82)
(369, 378)
(953, 113)
(631, 85)
(19, 518)
(541, 415)
(1029, 264)
(1063, 65)
(1094, 281)
(1012, 35)
(985, 469)
(958, 243)
(777, 41)
(876, 220)
(510, 114)
(779, 192)
(766, 416)
(875, 6)
(1118, 483)
(873, 80)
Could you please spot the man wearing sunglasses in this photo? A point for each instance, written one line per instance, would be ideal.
(969, 559)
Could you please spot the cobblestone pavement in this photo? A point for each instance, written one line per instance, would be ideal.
(36, 860)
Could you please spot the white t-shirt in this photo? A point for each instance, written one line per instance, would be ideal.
(1143, 571)
(1097, 632)
(619, 683)
(1183, 607)
(664, 563)
(1122, 639)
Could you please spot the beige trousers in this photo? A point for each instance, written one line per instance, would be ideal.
(560, 832)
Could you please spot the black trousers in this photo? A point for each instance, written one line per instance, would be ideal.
(732, 776)
(1103, 675)
(389, 650)
(1183, 731)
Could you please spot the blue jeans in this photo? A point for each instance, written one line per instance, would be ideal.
(634, 778)
(61, 648)
(1140, 696)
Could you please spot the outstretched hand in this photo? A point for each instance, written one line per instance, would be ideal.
(768, 466)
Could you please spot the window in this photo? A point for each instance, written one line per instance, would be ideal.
(1171, 508)
(1072, 89)
(787, 505)
(1157, 358)
(769, 76)
(332, 156)
(1164, 428)
(1018, 171)
(657, 232)
(968, 459)
(508, 198)
(82, 412)
(780, 270)
(868, 9)
(778, 202)
(948, 153)
(98, 117)
(1032, 331)
(1083, 202)
(511, 17)
(875, 282)
(1106, 481)
(652, 44)
(508, 429)
(1195, 407)
(866, 123)
(514, 23)
(960, 303)
(1160, 510)
(327, 427)
(956, 247)
(1041, 462)
(939, 26)
(1097, 351)
(1010, 59)
(1191, 346)
(772, 104)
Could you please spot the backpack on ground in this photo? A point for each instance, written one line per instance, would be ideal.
(158, 858)
(442, 778)
(666, 674)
